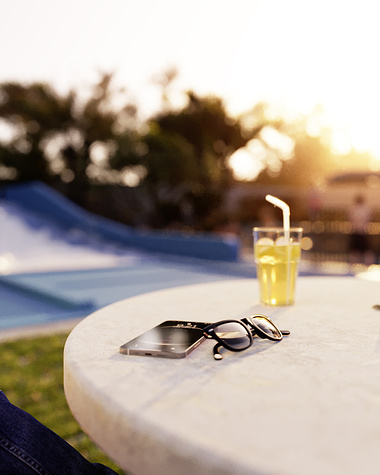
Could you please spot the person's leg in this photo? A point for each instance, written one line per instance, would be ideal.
(28, 447)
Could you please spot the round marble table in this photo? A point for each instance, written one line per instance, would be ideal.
(309, 404)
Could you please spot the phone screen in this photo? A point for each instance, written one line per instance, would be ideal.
(170, 339)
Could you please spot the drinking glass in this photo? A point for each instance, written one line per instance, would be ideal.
(277, 253)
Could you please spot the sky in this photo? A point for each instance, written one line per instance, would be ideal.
(298, 55)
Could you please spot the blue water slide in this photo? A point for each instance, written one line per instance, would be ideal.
(47, 202)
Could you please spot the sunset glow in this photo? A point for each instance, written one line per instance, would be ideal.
(295, 55)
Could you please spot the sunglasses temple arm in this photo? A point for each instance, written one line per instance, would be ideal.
(217, 355)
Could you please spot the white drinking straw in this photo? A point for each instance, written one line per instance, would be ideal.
(285, 214)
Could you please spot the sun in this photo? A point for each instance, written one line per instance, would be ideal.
(268, 149)
(322, 56)
(244, 165)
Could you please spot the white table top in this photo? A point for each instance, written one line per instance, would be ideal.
(309, 404)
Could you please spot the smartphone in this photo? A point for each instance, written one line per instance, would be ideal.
(169, 339)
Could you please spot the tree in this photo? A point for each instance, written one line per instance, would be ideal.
(176, 162)
(33, 113)
(184, 154)
(55, 136)
(213, 134)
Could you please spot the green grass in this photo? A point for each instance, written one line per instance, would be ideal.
(32, 379)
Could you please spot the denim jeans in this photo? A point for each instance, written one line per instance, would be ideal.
(28, 447)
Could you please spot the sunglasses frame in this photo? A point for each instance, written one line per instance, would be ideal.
(251, 328)
(249, 321)
(209, 332)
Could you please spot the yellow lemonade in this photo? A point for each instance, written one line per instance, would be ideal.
(277, 268)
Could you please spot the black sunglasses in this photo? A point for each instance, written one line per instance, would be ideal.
(237, 335)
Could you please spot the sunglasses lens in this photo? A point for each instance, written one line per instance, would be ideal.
(233, 334)
(267, 327)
